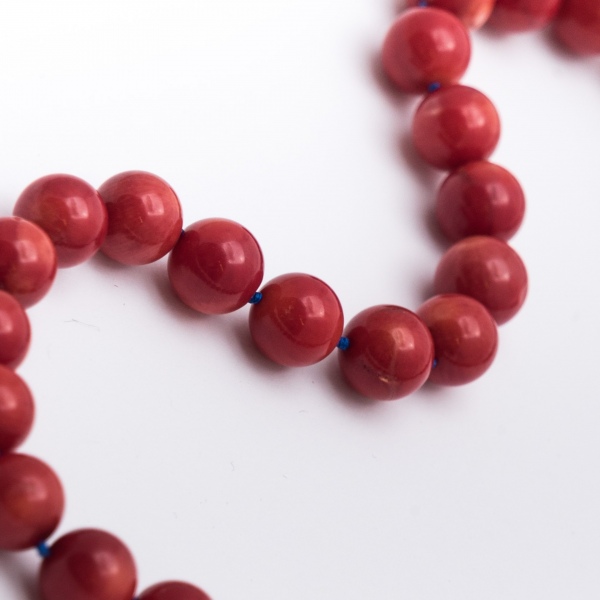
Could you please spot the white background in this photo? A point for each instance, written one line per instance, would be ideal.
(257, 482)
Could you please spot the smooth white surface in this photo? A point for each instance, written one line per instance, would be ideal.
(257, 482)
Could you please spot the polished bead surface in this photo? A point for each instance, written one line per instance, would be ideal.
(15, 332)
(16, 410)
(480, 198)
(27, 260)
(144, 217)
(88, 564)
(216, 266)
(70, 211)
(455, 125)
(425, 46)
(577, 26)
(298, 322)
(173, 590)
(31, 501)
(473, 13)
(486, 269)
(390, 353)
(465, 338)
(523, 15)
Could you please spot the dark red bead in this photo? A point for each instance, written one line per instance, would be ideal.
(465, 338)
(424, 46)
(15, 332)
(88, 564)
(31, 501)
(298, 322)
(144, 217)
(523, 15)
(390, 352)
(577, 26)
(173, 590)
(27, 260)
(480, 198)
(455, 125)
(486, 269)
(70, 211)
(16, 410)
(216, 266)
(473, 13)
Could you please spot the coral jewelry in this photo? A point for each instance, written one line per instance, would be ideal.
(215, 266)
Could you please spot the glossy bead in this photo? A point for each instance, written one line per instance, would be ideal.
(424, 46)
(473, 13)
(16, 410)
(298, 322)
(480, 198)
(144, 217)
(88, 564)
(577, 26)
(465, 338)
(15, 332)
(27, 260)
(486, 269)
(31, 501)
(70, 211)
(173, 590)
(523, 15)
(455, 125)
(390, 352)
(216, 266)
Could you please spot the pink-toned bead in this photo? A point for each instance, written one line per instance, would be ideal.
(480, 198)
(144, 217)
(473, 13)
(88, 564)
(216, 266)
(425, 46)
(173, 590)
(486, 269)
(577, 26)
(27, 260)
(523, 15)
(31, 501)
(16, 410)
(390, 352)
(70, 211)
(455, 125)
(15, 332)
(298, 321)
(465, 338)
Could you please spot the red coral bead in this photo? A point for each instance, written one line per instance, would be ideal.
(16, 410)
(15, 332)
(173, 590)
(390, 352)
(523, 15)
(27, 260)
(486, 269)
(31, 501)
(424, 46)
(298, 321)
(455, 125)
(216, 266)
(88, 564)
(473, 13)
(577, 26)
(70, 211)
(144, 217)
(465, 338)
(480, 198)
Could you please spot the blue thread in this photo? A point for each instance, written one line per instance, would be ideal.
(434, 87)
(423, 3)
(344, 343)
(435, 363)
(43, 549)
(256, 298)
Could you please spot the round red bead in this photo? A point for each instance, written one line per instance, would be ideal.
(577, 26)
(473, 13)
(216, 266)
(16, 410)
(15, 332)
(523, 15)
(455, 125)
(88, 564)
(298, 321)
(70, 211)
(31, 501)
(486, 269)
(465, 338)
(173, 590)
(390, 352)
(144, 217)
(480, 198)
(27, 260)
(424, 46)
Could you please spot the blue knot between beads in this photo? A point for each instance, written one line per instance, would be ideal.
(257, 297)
(423, 3)
(435, 363)
(344, 343)
(43, 549)
(434, 87)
